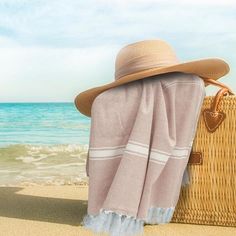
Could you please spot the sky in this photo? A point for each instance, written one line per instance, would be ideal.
(51, 50)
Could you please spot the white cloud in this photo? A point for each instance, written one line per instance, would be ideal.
(50, 50)
(7, 42)
(57, 23)
(42, 74)
(124, 3)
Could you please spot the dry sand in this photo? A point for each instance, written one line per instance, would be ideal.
(58, 211)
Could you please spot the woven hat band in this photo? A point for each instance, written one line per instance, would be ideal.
(145, 62)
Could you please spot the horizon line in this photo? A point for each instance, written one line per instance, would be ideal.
(38, 102)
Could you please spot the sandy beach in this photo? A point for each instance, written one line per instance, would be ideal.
(58, 210)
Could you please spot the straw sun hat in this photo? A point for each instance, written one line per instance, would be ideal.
(148, 58)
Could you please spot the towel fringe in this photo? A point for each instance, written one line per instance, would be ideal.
(160, 215)
(116, 224)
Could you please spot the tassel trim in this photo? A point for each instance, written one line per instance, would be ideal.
(116, 224)
(159, 215)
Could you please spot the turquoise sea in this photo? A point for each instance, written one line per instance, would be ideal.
(42, 143)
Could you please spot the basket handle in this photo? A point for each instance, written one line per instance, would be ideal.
(212, 116)
(217, 83)
(222, 92)
(214, 120)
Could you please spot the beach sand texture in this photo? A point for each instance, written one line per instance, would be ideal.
(58, 210)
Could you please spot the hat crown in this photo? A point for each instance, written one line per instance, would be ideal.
(143, 55)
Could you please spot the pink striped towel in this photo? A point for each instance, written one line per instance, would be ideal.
(140, 141)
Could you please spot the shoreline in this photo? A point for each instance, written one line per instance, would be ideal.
(30, 184)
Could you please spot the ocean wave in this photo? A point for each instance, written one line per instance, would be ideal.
(44, 148)
(62, 163)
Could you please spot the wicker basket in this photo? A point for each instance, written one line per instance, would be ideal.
(210, 198)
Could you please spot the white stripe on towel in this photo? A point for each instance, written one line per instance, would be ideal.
(138, 143)
(160, 157)
(131, 147)
(175, 151)
(138, 149)
(94, 153)
(108, 148)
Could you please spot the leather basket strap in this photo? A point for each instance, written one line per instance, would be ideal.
(195, 158)
(217, 83)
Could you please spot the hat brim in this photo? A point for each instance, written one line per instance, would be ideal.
(212, 68)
